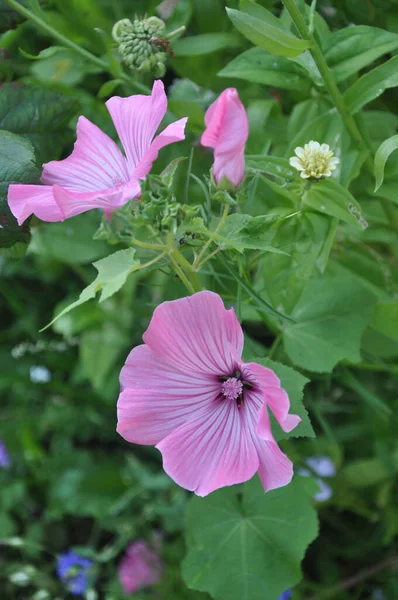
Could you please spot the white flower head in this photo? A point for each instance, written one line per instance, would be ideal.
(314, 161)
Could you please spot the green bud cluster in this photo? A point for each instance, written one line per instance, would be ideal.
(159, 208)
(140, 44)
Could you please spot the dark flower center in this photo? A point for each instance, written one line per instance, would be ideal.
(233, 387)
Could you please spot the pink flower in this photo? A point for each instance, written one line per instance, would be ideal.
(187, 391)
(139, 568)
(97, 174)
(227, 130)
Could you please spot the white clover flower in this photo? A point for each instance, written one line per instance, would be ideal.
(314, 161)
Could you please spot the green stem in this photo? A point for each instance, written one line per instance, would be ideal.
(25, 12)
(158, 247)
(275, 345)
(184, 266)
(338, 99)
(211, 237)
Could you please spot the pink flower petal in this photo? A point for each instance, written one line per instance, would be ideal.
(96, 162)
(210, 451)
(196, 334)
(173, 133)
(157, 398)
(227, 130)
(25, 200)
(137, 119)
(275, 397)
(75, 203)
(275, 468)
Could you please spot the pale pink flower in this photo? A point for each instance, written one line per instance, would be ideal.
(187, 391)
(97, 174)
(227, 130)
(140, 567)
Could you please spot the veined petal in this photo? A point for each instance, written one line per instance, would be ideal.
(230, 165)
(227, 130)
(96, 162)
(275, 397)
(136, 120)
(156, 399)
(275, 468)
(26, 200)
(211, 450)
(173, 133)
(74, 203)
(196, 334)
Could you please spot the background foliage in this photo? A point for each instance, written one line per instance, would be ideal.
(72, 482)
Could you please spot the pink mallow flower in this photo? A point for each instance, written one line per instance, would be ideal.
(139, 568)
(97, 174)
(227, 130)
(187, 391)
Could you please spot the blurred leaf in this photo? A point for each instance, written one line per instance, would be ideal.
(38, 114)
(266, 31)
(57, 64)
(331, 198)
(259, 66)
(70, 241)
(381, 157)
(350, 49)
(237, 548)
(371, 85)
(206, 43)
(99, 352)
(17, 165)
(331, 316)
(385, 319)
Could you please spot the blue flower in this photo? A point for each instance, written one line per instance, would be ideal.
(72, 569)
(286, 595)
(4, 457)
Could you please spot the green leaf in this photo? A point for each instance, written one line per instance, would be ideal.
(331, 316)
(17, 165)
(112, 274)
(257, 299)
(381, 157)
(372, 85)
(331, 198)
(205, 43)
(70, 241)
(273, 165)
(61, 65)
(239, 232)
(284, 277)
(385, 319)
(374, 402)
(266, 33)
(293, 382)
(350, 49)
(259, 66)
(239, 548)
(38, 114)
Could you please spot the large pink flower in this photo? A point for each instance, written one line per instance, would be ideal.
(97, 174)
(139, 568)
(187, 391)
(227, 130)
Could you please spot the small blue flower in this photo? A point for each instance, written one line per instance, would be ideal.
(286, 595)
(72, 570)
(4, 456)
